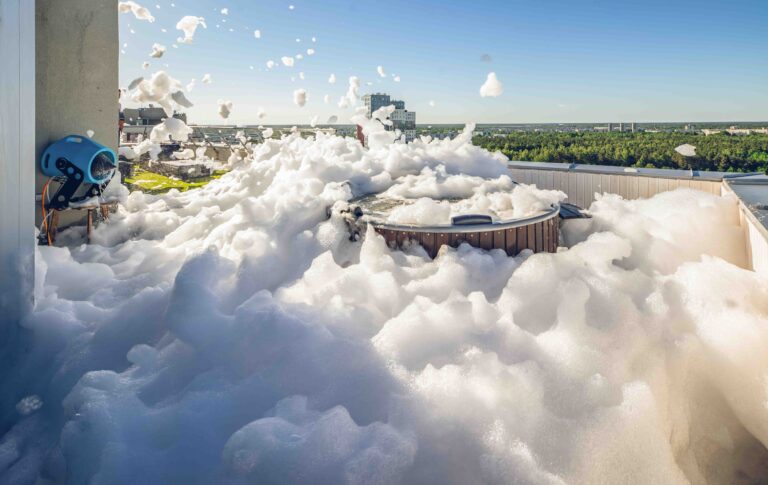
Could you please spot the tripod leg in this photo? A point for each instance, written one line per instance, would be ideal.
(89, 227)
(54, 227)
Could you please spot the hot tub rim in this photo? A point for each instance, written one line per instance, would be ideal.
(550, 213)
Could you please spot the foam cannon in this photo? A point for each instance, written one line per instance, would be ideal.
(77, 161)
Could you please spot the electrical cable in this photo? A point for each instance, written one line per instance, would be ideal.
(46, 226)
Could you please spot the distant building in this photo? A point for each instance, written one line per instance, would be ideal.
(632, 127)
(183, 169)
(401, 118)
(621, 127)
(405, 121)
(149, 116)
(140, 121)
(610, 126)
(736, 131)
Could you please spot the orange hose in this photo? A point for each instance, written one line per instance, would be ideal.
(45, 216)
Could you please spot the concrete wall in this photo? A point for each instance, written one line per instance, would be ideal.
(77, 74)
(753, 220)
(757, 243)
(17, 152)
(581, 187)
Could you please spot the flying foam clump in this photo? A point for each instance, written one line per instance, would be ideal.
(686, 150)
(300, 97)
(141, 13)
(157, 51)
(170, 129)
(188, 25)
(159, 89)
(225, 108)
(492, 86)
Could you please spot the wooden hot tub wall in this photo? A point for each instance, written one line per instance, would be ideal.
(538, 233)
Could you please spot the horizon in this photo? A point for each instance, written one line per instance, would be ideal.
(590, 63)
(555, 123)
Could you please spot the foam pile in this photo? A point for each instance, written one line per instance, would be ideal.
(235, 334)
(432, 190)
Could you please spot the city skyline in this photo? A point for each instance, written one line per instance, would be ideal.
(593, 62)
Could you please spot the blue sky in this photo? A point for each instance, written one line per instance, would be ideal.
(559, 61)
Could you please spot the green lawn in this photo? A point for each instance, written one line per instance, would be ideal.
(154, 183)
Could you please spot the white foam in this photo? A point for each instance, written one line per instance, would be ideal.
(188, 25)
(235, 333)
(157, 51)
(141, 13)
(225, 108)
(686, 150)
(170, 128)
(300, 97)
(158, 89)
(492, 86)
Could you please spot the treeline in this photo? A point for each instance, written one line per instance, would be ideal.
(650, 150)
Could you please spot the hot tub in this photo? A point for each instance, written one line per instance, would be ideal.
(538, 232)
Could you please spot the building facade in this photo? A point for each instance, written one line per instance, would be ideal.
(402, 119)
(149, 116)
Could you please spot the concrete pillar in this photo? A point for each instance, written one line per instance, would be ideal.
(78, 48)
(58, 76)
(17, 167)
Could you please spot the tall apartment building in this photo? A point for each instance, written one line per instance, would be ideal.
(401, 118)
